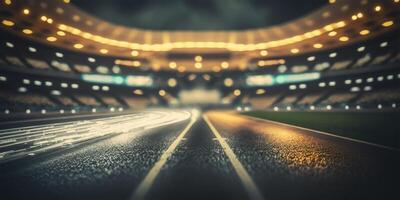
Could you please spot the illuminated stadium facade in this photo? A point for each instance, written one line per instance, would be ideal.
(333, 43)
(58, 60)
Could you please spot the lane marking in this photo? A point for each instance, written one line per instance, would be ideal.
(147, 182)
(244, 176)
(324, 133)
(72, 116)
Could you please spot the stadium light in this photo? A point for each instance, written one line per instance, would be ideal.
(269, 80)
(133, 80)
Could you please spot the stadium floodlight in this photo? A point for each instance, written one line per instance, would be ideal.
(139, 81)
(136, 81)
(292, 87)
(106, 79)
(260, 80)
(294, 78)
(268, 80)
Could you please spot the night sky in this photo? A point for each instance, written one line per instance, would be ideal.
(199, 14)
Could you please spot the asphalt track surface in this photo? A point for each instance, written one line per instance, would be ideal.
(176, 154)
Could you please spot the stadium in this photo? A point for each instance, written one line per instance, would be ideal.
(212, 99)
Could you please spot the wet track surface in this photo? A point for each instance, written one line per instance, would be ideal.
(199, 169)
(283, 162)
(289, 163)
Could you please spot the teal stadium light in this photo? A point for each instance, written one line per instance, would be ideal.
(134, 81)
(269, 80)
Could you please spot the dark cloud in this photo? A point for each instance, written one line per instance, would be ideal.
(199, 14)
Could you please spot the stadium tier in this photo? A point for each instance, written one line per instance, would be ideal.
(344, 76)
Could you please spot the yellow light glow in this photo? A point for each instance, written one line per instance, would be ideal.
(49, 20)
(26, 11)
(260, 91)
(78, 46)
(27, 31)
(138, 92)
(318, 46)
(128, 63)
(294, 51)
(198, 65)
(136, 63)
(332, 33)
(87, 35)
(237, 92)
(332, 1)
(364, 32)
(134, 53)
(172, 82)
(344, 38)
(264, 53)
(66, 1)
(360, 15)
(51, 39)
(162, 93)
(8, 2)
(387, 23)
(341, 24)
(103, 51)
(192, 44)
(328, 28)
(43, 18)
(172, 65)
(225, 65)
(198, 58)
(377, 8)
(7, 22)
(62, 27)
(228, 82)
(263, 63)
(61, 33)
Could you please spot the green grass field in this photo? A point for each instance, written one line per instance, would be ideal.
(377, 127)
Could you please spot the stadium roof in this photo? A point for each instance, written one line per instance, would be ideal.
(64, 25)
(199, 14)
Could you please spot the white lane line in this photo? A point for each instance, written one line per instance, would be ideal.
(324, 133)
(244, 176)
(148, 181)
(78, 117)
